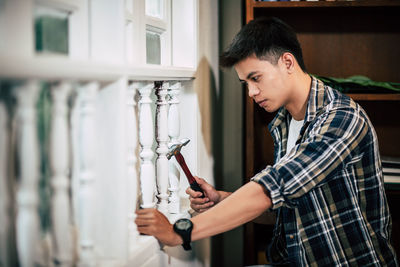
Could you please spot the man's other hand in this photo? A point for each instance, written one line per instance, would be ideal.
(211, 196)
(152, 222)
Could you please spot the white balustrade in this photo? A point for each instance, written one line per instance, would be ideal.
(146, 139)
(161, 91)
(131, 125)
(4, 194)
(28, 229)
(59, 160)
(162, 178)
(87, 144)
(174, 132)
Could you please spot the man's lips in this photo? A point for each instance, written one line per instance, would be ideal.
(261, 102)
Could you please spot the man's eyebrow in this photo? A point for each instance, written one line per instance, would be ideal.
(251, 74)
(248, 76)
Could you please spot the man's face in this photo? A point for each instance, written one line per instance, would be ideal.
(267, 84)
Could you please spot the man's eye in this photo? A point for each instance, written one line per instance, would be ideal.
(255, 78)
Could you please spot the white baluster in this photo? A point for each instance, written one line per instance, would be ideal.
(131, 124)
(28, 229)
(174, 132)
(162, 148)
(4, 195)
(87, 144)
(146, 138)
(59, 159)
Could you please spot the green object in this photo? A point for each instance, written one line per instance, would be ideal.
(360, 84)
(153, 48)
(44, 108)
(51, 34)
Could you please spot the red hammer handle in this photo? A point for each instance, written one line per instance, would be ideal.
(193, 184)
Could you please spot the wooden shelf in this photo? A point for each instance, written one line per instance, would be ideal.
(300, 4)
(375, 97)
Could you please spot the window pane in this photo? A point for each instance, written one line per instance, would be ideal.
(153, 48)
(51, 31)
(154, 8)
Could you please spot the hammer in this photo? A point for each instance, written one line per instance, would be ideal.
(175, 150)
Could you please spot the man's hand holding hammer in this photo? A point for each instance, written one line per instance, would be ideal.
(211, 198)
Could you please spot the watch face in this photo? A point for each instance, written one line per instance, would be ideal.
(183, 224)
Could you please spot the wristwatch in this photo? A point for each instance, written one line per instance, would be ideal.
(183, 227)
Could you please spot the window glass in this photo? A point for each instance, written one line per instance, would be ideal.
(153, 48)
(154, 8)
(51, 31)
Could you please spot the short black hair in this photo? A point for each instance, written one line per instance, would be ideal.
(267, 38)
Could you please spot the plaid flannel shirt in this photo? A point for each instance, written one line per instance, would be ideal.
(328, 190)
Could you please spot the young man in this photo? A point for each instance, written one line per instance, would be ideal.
(326, 184)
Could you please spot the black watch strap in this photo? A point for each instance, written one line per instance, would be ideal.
(186, 245)
(184, 232)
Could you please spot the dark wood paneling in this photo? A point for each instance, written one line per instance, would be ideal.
(341, 42)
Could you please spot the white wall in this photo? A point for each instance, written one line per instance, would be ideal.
(231, 127)
(206, 88)
(101, 56)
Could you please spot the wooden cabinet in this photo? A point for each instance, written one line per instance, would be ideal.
(339, 39)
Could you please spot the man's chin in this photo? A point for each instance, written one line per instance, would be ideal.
(270, 109)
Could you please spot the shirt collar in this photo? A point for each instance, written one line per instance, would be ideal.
(316, 102)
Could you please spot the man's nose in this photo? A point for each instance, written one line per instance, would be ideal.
(253, 90)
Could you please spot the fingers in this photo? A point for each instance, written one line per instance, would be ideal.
(144, 217)
(148, 216)
(202, 183)
(207, 188)
(199, 180)
(142, 221)
(145, 230)
(198, 200)
(192, 193)
(149, 221)
(146, 213)
(199, 204)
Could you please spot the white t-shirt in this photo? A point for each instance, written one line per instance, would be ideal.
(294, 132)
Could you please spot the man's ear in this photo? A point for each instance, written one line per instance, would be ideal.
(288, 61)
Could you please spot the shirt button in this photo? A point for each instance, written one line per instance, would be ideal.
(291, 236)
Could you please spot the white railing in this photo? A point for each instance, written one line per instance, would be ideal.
(87, 173)
(174, 133)
(27, 220)
(146, 137)
(132, 177)
(162, 146)
(59, 160)
(75, 182)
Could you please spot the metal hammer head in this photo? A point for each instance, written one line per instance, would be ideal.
(176, 148)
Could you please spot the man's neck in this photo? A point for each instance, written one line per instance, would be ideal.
(298, 102)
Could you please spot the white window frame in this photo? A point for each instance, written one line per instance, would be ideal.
(78, 46)
(137, 23)
(161, 26)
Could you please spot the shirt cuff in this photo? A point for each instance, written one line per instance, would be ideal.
(269, 178)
